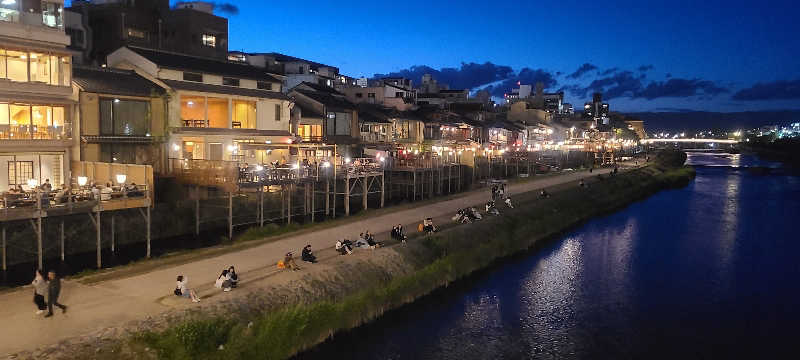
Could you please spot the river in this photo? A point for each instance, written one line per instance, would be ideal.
(706, 271)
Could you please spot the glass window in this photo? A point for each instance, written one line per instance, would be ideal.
(66, 71)
(9, 11)
(209, 40)
(230, 81)
(338, 124)
(55, 70)
(20, 120)
(2, 64)
(20, 172)
(187, 76)
(51, 14)
(218, 113)
(193, 111)
(263, 85)
(5, 124)
(40, 67)
(136, 33)
(244, 114)
(17, 66)
(124, 117)
(277, 112)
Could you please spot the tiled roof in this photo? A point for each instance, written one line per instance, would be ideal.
(286, 58)
(229, 90)
(114, 82)
(309, 112)
(375, 113)
(322, 88)
(327, 99)
(204, 65)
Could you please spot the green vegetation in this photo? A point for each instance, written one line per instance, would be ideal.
(457, 253)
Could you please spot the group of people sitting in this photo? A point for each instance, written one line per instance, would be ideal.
(367, 241)
(227, 280)
(428, 227)
(344, 247)
(467, 215)
(398, 234)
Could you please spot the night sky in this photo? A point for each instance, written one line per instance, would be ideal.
(643, 55)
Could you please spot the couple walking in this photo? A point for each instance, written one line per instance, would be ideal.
(50, 286)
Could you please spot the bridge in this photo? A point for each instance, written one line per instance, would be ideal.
(694, 141)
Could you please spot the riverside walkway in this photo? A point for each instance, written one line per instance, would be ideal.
(115, 302)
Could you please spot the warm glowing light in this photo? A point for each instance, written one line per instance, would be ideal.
(175, 147)
(121, 178)
(82, 180)
(32, 183)
(347, 160)
(259, 168)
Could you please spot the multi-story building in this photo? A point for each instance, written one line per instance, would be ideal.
(217, 110)
(295, 70)
(596, 110)
(324, 115)
(391, 93)
(36, 106)
(189, 28)
(122, 117)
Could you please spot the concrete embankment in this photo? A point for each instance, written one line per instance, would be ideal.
(351, 290)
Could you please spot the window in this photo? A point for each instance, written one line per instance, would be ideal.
(17, 66)
(40, 68)
(23, 121)
(19, 172)
(9, 11)
(244, 114)
(51, 14)
(193, 111)
(124, 117)
(398, 94)
(277, 112)
(188, 76)
(75, 36)
(122, 154)
(371, 95)
(230, 81)
(263, 85)
(359, 95)
(309, 132)
(300, 70)
(237, 57)
(136, 33)
(215, 151)
(209, 40)
(338, 124)
(218, 113)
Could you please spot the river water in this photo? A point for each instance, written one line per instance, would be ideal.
(707, 271)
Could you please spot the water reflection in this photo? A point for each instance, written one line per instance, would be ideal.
(707, 271)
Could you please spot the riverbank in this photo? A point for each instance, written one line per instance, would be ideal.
(357, 291)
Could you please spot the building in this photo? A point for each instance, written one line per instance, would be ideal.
(597, 110)
(386, 93)
(36, 105)
(324, 115)
(295, 70)
(217, 110)
(190, 28)
(122, 117)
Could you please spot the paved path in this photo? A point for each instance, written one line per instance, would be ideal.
(114, 302)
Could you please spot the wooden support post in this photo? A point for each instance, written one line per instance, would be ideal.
(327, 197)
(61, 242)
(347, 195)
(99, 246)
(415, 185)
(260, 205)
(289, 204)
(365, 188)
(197, 209)
(113, 246)
(313, 197)
(147, 228)
(39, 229)
(230, 216)
(5, 267)
(383, 188)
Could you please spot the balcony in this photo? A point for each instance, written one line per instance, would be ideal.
(45, 26)
(33, 132)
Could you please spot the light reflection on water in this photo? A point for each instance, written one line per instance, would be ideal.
(707, 271)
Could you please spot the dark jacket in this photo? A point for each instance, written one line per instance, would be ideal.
(53, 289)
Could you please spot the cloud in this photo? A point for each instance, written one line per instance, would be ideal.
(609, 71)
(645, 68)
(776, 90)
(582, 70)
(226, 8)
(627, 84)
(525, 76)
(468, 76)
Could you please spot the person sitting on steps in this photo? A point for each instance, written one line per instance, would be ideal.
(307, 255)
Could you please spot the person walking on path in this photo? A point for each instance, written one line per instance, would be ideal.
(39, 291)
(53, 291)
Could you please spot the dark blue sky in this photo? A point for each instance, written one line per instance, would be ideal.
(644, 55)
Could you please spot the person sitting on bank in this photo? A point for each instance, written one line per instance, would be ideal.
(397, 233)
(307, 255)
(223, 282)
(371, 240)
(105, 192)
(491, 208)
(343, 249)
(132, 190)
(582, 184)
(427, 226)
(288, 262)
(233, 277)
(544, 194)
(182, 289)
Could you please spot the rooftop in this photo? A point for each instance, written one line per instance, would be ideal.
(114, 81)
(210, 66)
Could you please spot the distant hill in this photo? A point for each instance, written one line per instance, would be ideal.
(701, 120)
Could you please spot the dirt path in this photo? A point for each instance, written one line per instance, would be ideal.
(115, 302)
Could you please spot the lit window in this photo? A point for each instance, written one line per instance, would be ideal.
(209, 40)
(136, 33)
